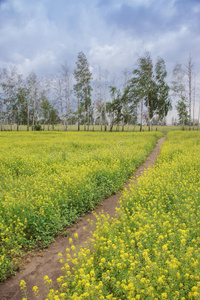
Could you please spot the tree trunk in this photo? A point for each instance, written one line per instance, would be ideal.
(149, 123)
(111, 122)
(105, 99)
(34, 107)
(123, 118)
(27, 116)
(141, 117)
(84, 120)
(88, 125)
(190, 88)
(194, 101)
(78, 116)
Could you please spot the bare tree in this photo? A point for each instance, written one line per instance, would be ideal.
(105, 97)
(178, 87)
(194, 96)
(100, 96)
(189, 74)
(82, 88)
(32, 97)
(67, 84)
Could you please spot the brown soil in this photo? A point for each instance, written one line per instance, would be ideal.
(46, 262)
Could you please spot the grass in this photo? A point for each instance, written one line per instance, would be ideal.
(127, 128)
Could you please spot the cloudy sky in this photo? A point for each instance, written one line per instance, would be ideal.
(40, 35)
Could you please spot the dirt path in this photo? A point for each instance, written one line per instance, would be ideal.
(47, 262)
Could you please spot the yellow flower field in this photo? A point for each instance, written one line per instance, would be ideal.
(49, 179)
(152, 250)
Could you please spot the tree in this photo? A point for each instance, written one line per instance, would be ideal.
(9, 85)
(21, 96)
(100, 100)
(142, 83)
(163, 103)
(1, 100)
(82, 88)
(32, 98)
(105, 98)
(125, 99)
(57, 84)
(110, 106)
(182, 113)
(179, 90)
(62, 93)
(49, 113)
(150, 89)
(67, 78)
(189, 74)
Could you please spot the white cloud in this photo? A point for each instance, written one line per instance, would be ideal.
(42, 62)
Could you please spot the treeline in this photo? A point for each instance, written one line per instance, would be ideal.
(82, 98)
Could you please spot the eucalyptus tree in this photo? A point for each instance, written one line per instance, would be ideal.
(82, 88)
(178, 87)
(163, 102)
(106, 74)
(100, 98)
(67, 87)
(142, 84)
(9, 94)
(150, 88)
(62, 90)
(112, 106)
(182, 111)
(189, 71)
(49, 113)
(21, 98)
(57, 84)
(2, 73)
(125, 98)
(32, 105)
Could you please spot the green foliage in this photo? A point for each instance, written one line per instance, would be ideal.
(37, 127)
(183, 115)
(151, 88)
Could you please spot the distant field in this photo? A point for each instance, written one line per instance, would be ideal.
(98, 128)
(48, 179)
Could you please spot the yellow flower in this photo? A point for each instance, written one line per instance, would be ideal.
(164, 295)
(165, 247)
(22, 284)
(35, 289)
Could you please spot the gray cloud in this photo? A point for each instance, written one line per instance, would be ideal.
(40, 35)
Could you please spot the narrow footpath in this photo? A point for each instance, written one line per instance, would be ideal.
(46, 262)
